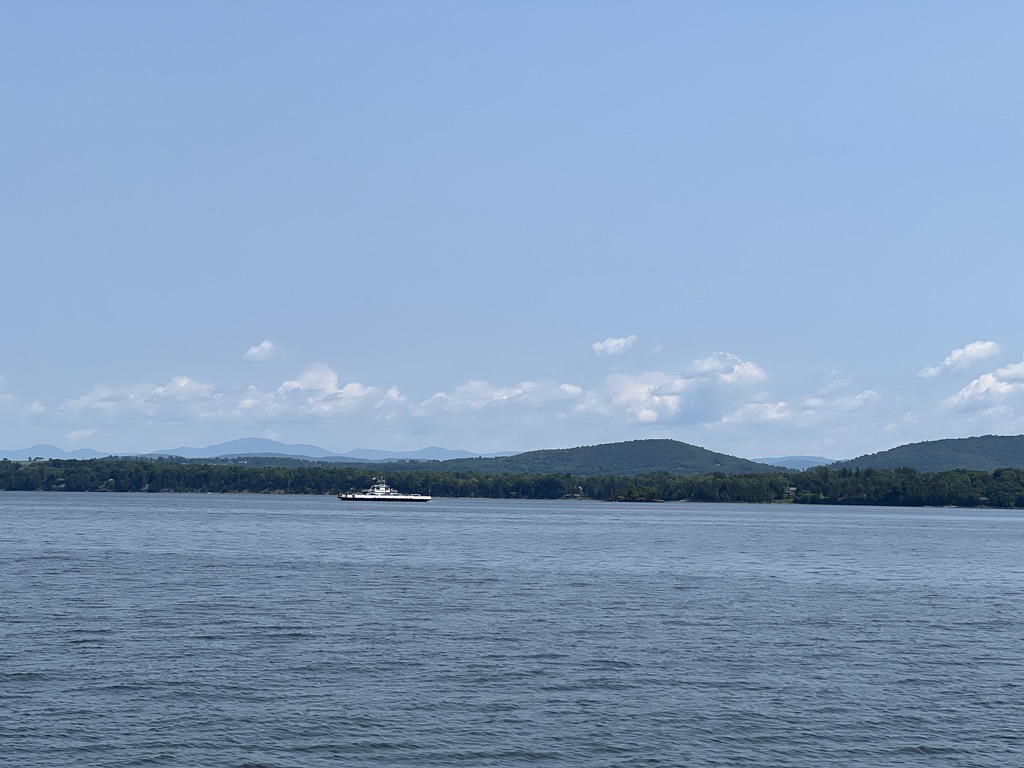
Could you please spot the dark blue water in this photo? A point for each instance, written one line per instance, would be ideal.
(198, 630)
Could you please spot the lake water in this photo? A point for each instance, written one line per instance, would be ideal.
(199, 630)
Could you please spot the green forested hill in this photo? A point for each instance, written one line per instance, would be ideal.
(629, 458)
(987, 453)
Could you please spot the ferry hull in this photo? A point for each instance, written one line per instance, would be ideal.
(370, 497)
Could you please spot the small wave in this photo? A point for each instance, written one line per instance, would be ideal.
(929, 749)
(599, 684)
(125, 687)
(546, 656)
(609, 664)
(20, 677)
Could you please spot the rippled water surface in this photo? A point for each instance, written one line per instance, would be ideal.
(199, 630)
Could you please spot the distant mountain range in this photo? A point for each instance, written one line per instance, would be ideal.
(251, 446)
(258, 446)
(986, 453)
(796, 462)
(247, 446)
(44, 451)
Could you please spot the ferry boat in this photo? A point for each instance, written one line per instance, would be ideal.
(381, 491)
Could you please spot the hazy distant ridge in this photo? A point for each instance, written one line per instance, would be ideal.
(424, 454)
(796, 462)
(248, 446)
(258, 446)
(45, 451)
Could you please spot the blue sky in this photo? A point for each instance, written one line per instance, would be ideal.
(763, 228)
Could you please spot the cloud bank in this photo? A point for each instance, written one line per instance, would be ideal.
(318, 398)
(720, 401)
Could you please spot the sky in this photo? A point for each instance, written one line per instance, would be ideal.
(767, 229)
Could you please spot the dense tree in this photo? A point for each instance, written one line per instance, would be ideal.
(822, 485)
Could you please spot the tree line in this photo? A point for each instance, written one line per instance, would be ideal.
(1003, 488)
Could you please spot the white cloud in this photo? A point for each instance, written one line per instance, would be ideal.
(315, 392)
(477, 394)
(613, 346)
(134, 412)
(805, 412)
(907, 419)
(727, 368)
(836, 383)
(354, 390)
(103, 398)
(961, 358)
(648, 397)
(394, 395)
(989, 389)
(854, 402)
(317, 377)
(702, 394)
(704, 366)
(314, 395)
(258, 403)
(744, 373)
(184, 387)
(758, 413)
(262, 352)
